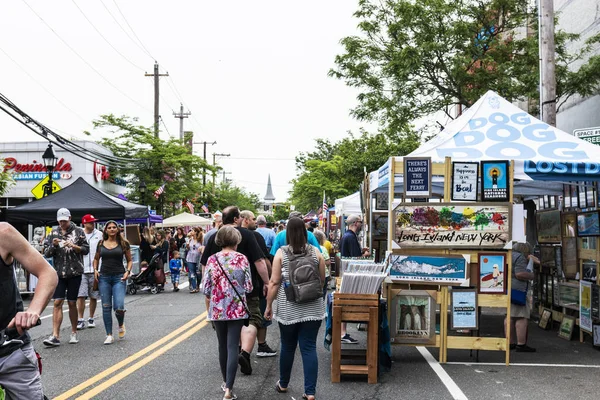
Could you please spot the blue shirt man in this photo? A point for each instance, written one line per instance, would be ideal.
(281, 240)
(266, 233)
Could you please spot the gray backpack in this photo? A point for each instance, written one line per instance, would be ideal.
(304, 276)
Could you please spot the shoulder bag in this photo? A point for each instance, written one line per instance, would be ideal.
(247, 320)
(518, 297)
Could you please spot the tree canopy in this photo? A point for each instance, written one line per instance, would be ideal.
(412, 58)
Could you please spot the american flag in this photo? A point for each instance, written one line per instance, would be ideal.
(325, 207)
(205, 208)
(159, 191)
(188, 204)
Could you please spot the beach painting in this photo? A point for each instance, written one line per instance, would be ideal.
(491, 272)
(429, 269)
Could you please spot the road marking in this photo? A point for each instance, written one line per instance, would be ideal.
(452, 387)
(64, 311)
(525, 365)
(130, 359)
(123, 374)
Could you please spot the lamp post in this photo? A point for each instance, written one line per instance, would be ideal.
(50, 161)
(142, 188)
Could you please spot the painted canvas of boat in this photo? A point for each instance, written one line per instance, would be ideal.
(438, 269)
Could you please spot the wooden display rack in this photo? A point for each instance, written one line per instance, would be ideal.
(355, 308)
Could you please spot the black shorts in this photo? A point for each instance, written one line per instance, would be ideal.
(68, 285)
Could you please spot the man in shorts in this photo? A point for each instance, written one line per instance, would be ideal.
(86, 289)
(67, 246)
(19, 374)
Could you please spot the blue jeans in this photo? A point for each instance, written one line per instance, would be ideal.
(192, 277)
(112, 293)
(305, 335)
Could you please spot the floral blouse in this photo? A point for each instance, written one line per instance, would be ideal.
(224, 302)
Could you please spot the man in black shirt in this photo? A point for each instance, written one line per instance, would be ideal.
(260, 274)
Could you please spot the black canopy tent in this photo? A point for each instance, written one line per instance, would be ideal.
(80, 198)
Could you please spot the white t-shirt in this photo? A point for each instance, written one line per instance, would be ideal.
(93, 239)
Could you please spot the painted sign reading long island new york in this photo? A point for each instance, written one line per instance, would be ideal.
(448, 225)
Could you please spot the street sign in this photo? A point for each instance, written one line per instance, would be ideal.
(38, 190)
(591, 135)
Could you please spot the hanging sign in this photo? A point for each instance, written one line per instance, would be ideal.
(417, 176)
(465, 176)
(494, 180)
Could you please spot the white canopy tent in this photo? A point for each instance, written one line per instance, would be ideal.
(185, 219)
(348, 205)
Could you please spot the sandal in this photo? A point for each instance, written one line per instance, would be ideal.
(280, 389)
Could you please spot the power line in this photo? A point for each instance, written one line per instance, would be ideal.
(124, 30)
(133, 31)
(105, 39)
(84, 60)
(165, 125)
(262, 158)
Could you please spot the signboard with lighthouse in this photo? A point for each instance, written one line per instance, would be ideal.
(494, 181)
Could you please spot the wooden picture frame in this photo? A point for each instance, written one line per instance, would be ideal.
(405, 327)
(545, 318)
(465, 181)
(381, 201)
(566, 327)
(491, 273)
(495, 181)
(588, 224)
(549, 226)
(464, 311)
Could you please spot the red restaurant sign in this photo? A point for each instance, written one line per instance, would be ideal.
(12, 165)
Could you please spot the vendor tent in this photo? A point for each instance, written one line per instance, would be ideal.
(185, 219)
(80, 198)
(348, 205)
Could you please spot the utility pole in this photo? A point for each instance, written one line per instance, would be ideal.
(204, 169)
(547, 62)
(214, 165)
(181, 115)
(156, 76)
(224, 177)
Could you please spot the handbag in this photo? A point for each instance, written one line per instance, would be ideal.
(518, 297)
(247, 320)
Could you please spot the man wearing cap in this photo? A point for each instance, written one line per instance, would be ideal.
(86, 289)
(281, 239)
(67, 246)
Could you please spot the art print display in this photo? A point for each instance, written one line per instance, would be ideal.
(569, 225)
(381, 201)
(465, 178)
(491, 272)
(589, 269)
(545, 319)
(494, 181)
(588, 224)
(569, 257)
(596, 335)
(585, 305)
(413, 317)
(464, 309)
(446, 269)
(448, 225)
(548, 226)
(566, 327)
(547, 259)
(417, 177)
(595, 302)
(568, 295)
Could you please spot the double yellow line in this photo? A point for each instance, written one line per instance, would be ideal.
(195, 324)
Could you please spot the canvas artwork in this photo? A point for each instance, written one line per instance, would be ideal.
(566, 327)
(491, 272)
(588, 224)
(494, 181)
(413, 313)
(548, 226)
(448, 225)
(545, 318)
(435, 269)
(595, 302)
(568, 295)
(585, 305)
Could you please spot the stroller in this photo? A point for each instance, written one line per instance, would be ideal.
(153, 276)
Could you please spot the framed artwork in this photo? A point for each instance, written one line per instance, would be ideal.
(585, 306)
(567, 196)
(589, 269)
(491, 272)
(595, 302)
(590, 191)
(588, 224)
(545, 318)
(547, 259)
(413, 317)
(494, 181)
(464, 310)
(566, 327)
(417, 177)
(451, 225)
(465, 181)
(381, 201)
(569, 259)
(568, 295)
(582, 197)
(569, 223)
(548, 226)
(381, 225)
(447, 269)
(596, 335)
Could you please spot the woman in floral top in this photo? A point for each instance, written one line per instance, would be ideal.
(227, 308)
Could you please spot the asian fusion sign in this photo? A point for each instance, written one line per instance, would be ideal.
(448, 225)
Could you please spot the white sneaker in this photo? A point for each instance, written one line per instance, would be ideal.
(109, 339)
(73, 339)
(91, 323)
(80, 325)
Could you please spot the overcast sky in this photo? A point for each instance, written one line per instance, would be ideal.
(253, 74)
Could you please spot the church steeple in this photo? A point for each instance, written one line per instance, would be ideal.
(269, 196)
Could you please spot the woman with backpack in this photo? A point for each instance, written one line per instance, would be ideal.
(299, 313)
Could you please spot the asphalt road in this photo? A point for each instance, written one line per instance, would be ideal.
(159, 359)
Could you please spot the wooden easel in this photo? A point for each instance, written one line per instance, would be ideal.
(355, 308)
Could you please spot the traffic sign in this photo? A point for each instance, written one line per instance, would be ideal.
(38, 190)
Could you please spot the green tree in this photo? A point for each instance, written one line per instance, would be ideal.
(337, 168)
(227, 194)
(412, 58)
(6, 180)
(281, 211)
(159, 162)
